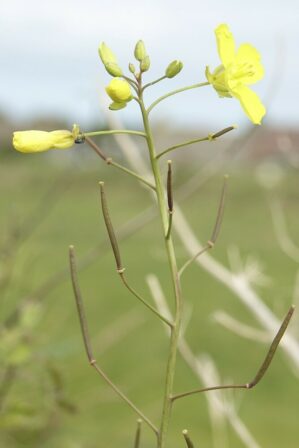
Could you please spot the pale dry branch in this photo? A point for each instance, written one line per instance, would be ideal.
(239, 328)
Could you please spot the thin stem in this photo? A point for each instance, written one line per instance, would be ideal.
(87, 344)
(210, 137)
(114, 131)
(170, 217)
(174, 92)
(133, 83)
(208, 246)
(142, 300)
(181, 145)
(175, 330)
(138, 434)
(111, 162)
(211, 242)
(262, 370)
(131, 173)
(187, 439)
(153, 82)
(115, 248)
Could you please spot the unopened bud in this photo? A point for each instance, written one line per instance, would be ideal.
(173, 69)
(145, 64)
(132, 68)
(140, 51)
(109, 60)
(113, 69)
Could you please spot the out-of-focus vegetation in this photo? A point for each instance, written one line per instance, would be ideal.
(49, 396)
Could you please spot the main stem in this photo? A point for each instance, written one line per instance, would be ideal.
(175, 330)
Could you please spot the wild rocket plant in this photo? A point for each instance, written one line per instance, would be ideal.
(238, 69)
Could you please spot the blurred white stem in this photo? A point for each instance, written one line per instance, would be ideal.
(281, 232)
(237, 327)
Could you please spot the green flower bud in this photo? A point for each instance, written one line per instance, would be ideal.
(140, 51)
(132, 68)
(109, 60)
(145, 64)
(173, 69)
(113, 69)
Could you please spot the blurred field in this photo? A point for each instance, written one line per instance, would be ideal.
(128, 341)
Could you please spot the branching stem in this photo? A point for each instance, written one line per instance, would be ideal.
(211, 242)
(111, 162)
(175, 329)
(153, 82)
(115, 248)
(87, 344)
(210, 137)
(262, 370)
(174, 92)
(114, 131)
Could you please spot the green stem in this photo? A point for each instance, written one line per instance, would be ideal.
(181, 145)
(169, 225)
(175, 330)
(153, 82)
(111, 162)
(114, 131)
(209, 137)
(174, 92)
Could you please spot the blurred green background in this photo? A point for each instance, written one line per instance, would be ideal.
(50, 397)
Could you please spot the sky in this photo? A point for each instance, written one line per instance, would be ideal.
(50, 64)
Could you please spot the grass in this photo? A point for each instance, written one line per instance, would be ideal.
(128, 341)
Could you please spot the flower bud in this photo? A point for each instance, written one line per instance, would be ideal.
(140, 51)
(119, 90)
(145, 64)
(109, 60)
(173, 69)
(38, 141)
(113, 69)
(132, 68)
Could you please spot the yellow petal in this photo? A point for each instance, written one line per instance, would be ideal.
(62, 139)
(225, 44)
(31, 141)
(38, 141)
(119, 90)
(250, 102)
(247, 64)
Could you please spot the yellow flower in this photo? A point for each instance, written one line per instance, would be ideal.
(119, 91)
(38, 141)
(238, 69)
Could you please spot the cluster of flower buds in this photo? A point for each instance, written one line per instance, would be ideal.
(120, 88)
